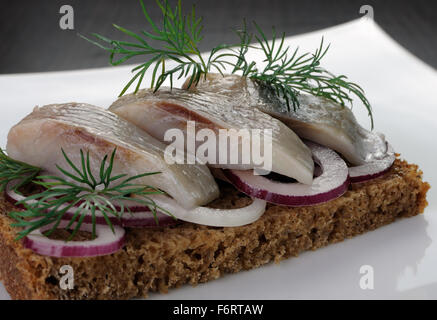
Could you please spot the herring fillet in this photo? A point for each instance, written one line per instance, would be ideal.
(155, 112)
(317, 118)
(39, 137)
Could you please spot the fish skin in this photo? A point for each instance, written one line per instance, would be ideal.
(317, 119)
(39, 137)
(157, 111)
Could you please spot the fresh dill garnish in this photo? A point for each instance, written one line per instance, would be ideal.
(178, 38)
(13, 170)
(82, 194)
(287, 73)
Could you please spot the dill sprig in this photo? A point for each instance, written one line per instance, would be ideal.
(178, 38)
(287, 73)
(13, 170)
(82, 194)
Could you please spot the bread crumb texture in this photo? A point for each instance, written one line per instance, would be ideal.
(160, 258)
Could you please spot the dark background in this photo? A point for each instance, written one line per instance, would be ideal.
(32, 41)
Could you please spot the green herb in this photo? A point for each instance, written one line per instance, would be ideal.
(178, 39)
(287, 73)
(13, 170)
(84, 194)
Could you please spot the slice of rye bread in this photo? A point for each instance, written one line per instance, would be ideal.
(159, 258)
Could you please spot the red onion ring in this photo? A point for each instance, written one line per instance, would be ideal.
(331, 184)
(373, 169)
(13, 197)
(134, 216)
(128, 205)
(105, 243)
(128, 219)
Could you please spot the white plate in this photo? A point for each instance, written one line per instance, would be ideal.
(402, 90)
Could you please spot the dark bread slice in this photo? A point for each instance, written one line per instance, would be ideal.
(159, 258)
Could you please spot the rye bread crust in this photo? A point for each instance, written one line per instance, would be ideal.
(160, 258)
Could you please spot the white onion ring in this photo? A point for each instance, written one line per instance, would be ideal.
(331, 184)
(373, 169)
(213, 217)
(106, 242)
